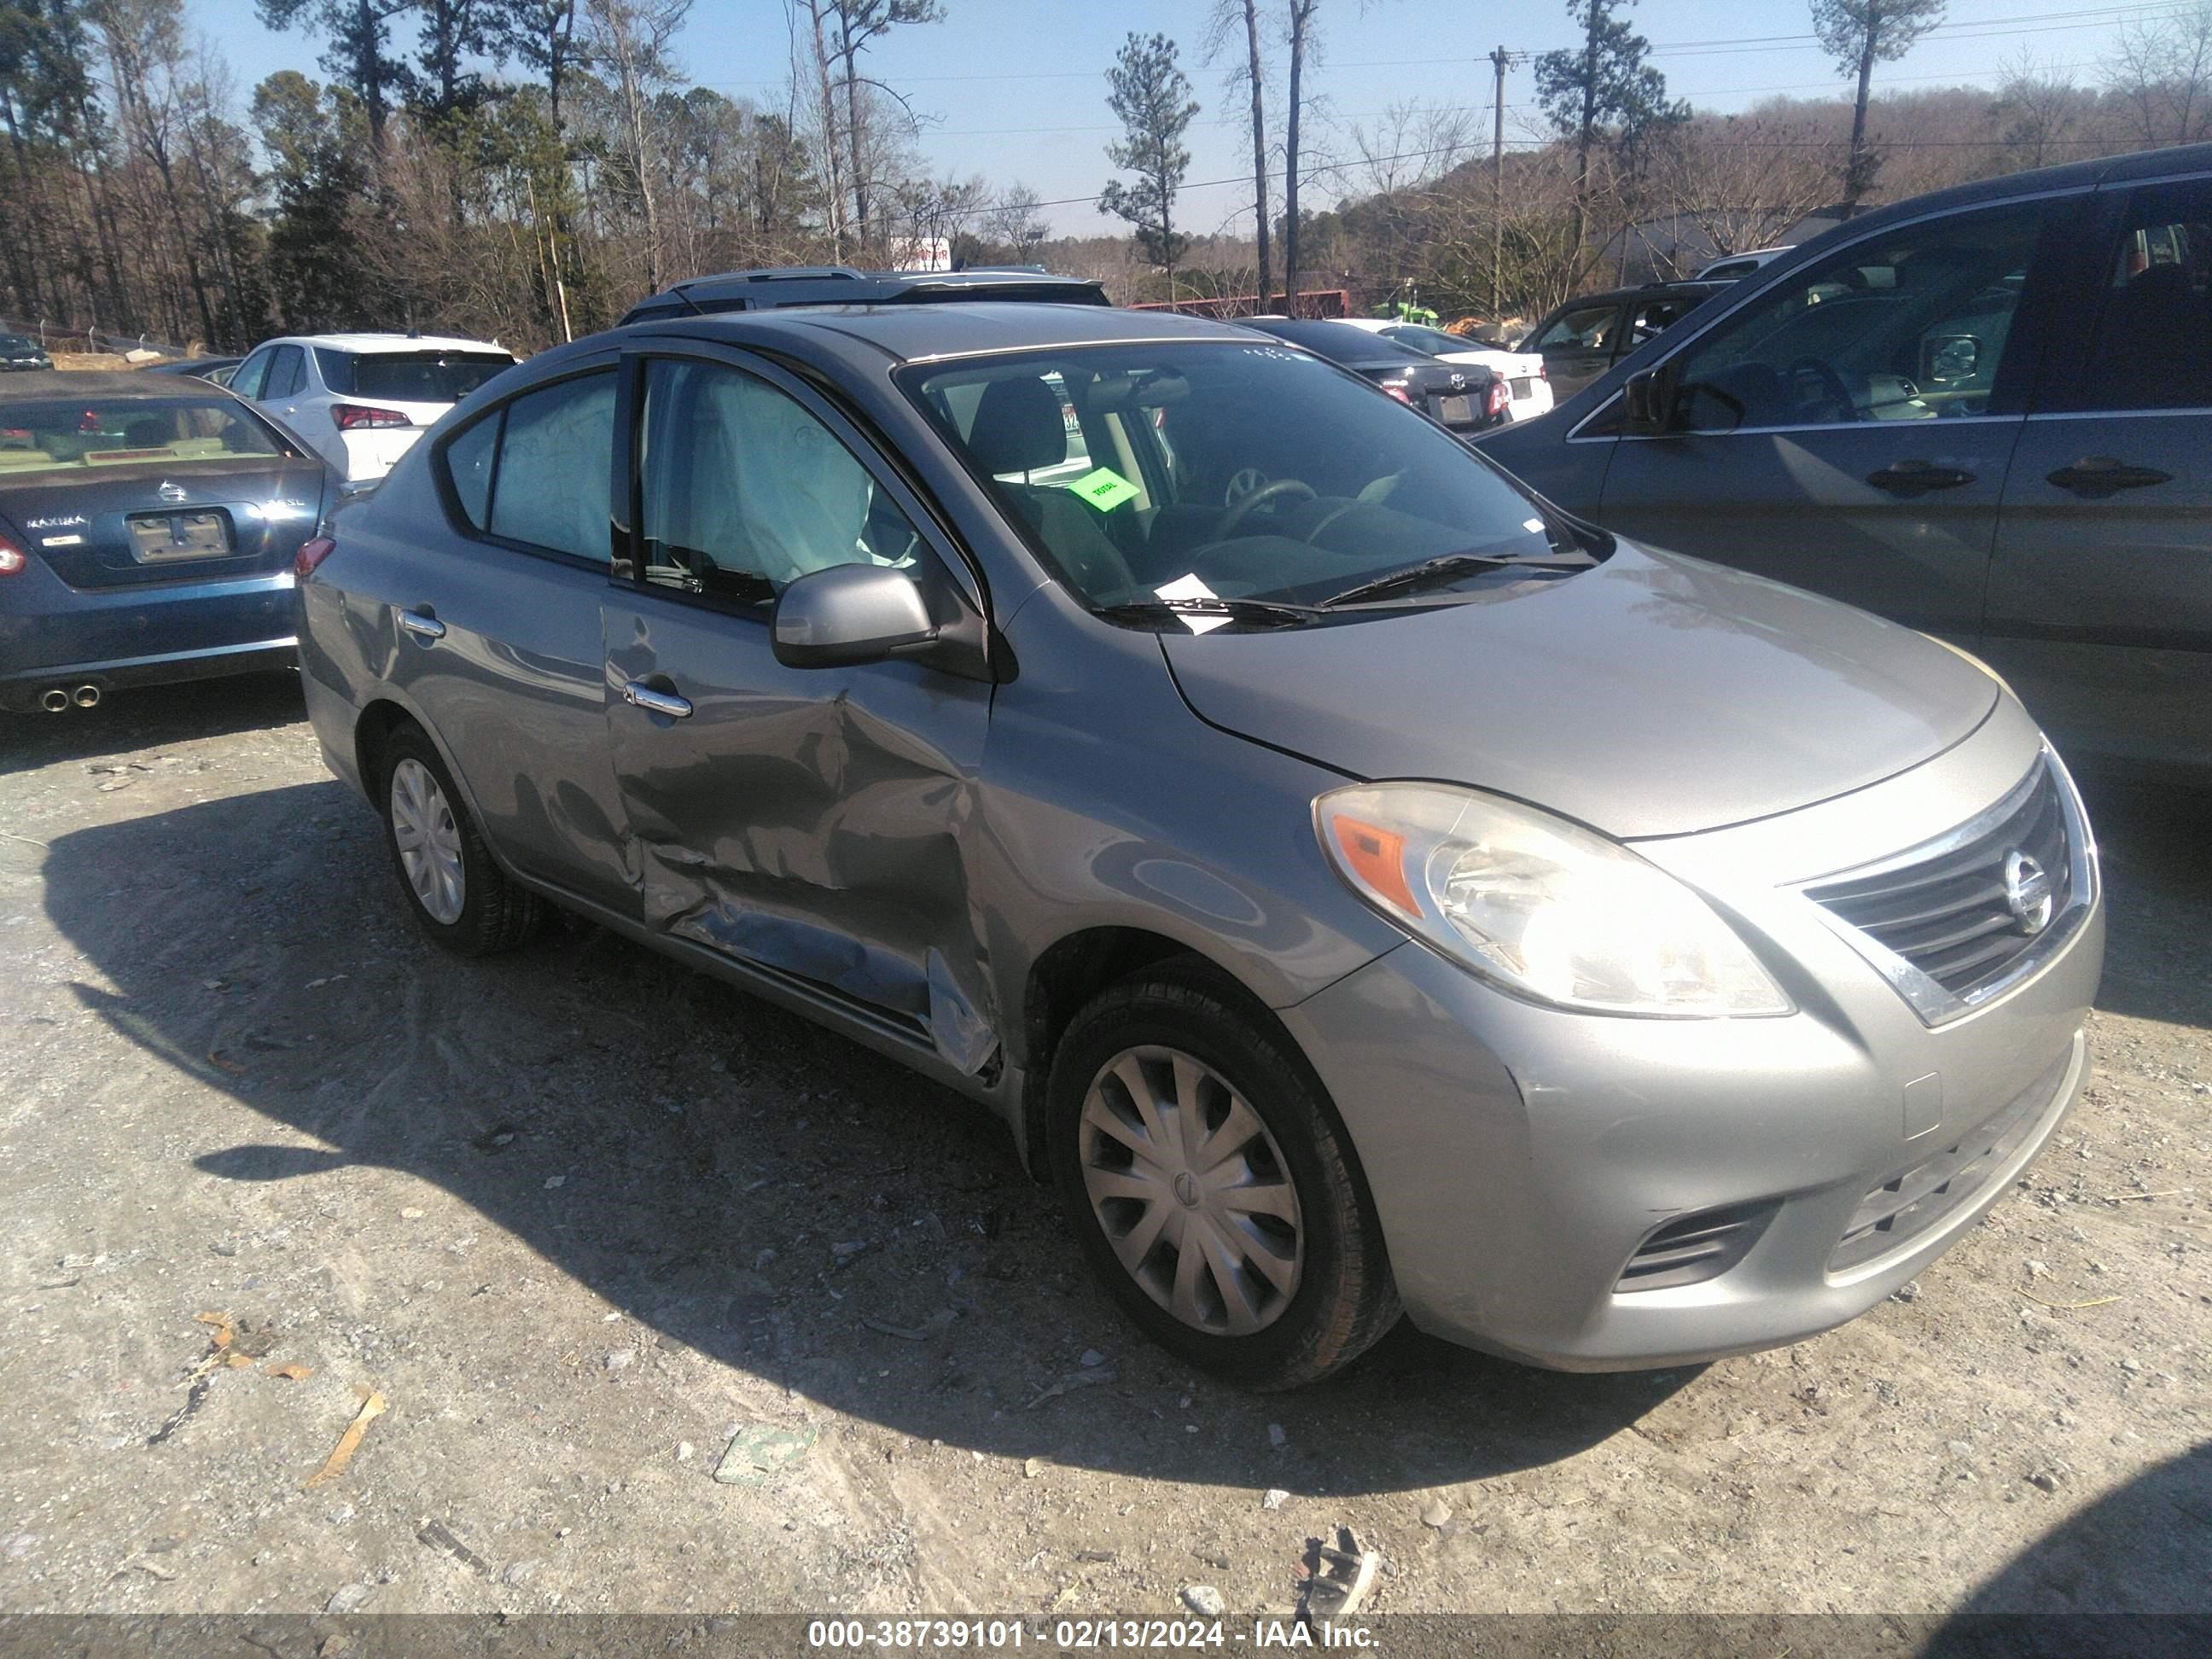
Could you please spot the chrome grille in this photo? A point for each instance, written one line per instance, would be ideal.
(1954, 922)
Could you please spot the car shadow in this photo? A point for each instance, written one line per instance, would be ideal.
(2114, 1567)
(745, 1183)
(148, 717)
(2158, 890)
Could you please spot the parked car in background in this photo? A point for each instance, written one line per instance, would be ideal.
(1356, 884)
(1985, 413)
(19, 352)
(1583, 339)
(1731, 267)
(1465, 400)
(363, 399)
(216, 371)
(1527, 385)
(147, 529)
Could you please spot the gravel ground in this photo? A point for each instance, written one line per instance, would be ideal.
(577, 1218)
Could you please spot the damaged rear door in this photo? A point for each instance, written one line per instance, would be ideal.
(810, 824)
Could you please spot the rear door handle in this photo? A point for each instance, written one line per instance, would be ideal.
(2097, 475)
(422, 625)
(1917, 477)
(639, 695)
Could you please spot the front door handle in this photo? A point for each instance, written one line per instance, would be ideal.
(639, 695)
(1917, 477)
(2099, 476)
(422, 625)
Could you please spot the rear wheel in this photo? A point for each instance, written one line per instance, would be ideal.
(1211, 1186)
(459, 896)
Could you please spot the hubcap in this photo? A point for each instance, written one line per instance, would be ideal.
(429, 840)
(1192, 1191)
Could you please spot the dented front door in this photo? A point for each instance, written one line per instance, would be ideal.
(812, 823)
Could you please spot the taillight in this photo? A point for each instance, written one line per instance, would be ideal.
(352, 416)
(1501, 396)
(1543, 370)
(311, 554)
(12, 557)
(1399, 392)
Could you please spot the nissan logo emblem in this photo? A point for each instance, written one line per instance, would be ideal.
(2028, 892)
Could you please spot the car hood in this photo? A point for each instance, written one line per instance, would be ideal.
(1653, 695)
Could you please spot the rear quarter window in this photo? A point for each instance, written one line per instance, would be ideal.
(470, 458)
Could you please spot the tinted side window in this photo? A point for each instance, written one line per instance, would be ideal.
(471, 456)
(555, 455)
(1910, 326)
(743, 489)
(248, 382)
(2152, 348)
(284, 374)
(1654, 317)
(1586, 328)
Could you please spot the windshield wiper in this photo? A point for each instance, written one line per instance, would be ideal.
(1432, 573)
(1244, 610)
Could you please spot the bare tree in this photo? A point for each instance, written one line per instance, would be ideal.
(1012, 220)
(1858, 35)
(1299, 33)
(1229, 19)
(630, 39)
(1733, 182)
(2160, 70)
(2040, 107)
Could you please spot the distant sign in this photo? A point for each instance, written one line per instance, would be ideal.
(922, 253)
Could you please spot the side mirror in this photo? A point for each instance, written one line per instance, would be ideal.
(849, 614)
(1650, 400)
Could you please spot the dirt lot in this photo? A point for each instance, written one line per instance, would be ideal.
(580, 1217)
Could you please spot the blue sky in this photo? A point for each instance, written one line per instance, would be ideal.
(1017, 87)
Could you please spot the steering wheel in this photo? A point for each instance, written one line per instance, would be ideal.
(1235, 514)
(1831, 383)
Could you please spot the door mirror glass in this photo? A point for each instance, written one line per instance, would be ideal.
(849, 614)
(1650, 398)
(1948, 359)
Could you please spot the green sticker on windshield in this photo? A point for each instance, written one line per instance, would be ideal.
(1105, 489)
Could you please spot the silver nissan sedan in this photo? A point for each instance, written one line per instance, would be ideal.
(1359, 888)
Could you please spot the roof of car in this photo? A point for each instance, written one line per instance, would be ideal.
(775, 287)
(1645, 291)
(919, 333)
(101, 383)
(371, 342)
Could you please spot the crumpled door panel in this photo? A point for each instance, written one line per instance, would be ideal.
(809, 822)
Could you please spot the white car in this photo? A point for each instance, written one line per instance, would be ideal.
(1522, 372)
(1738, 264)
(363, 399)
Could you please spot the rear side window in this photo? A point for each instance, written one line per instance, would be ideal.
(1586, 328)
(409, 377)
(547, 485)
(2153, 345)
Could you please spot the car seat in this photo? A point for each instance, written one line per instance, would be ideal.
(1019, 429)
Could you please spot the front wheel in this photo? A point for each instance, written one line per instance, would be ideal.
(462, 899)
(1210, 1185)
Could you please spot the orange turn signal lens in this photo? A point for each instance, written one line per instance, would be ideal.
(1377, 857)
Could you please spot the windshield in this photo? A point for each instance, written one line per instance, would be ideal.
(1226, 471)
(409, 377)
(51, 433)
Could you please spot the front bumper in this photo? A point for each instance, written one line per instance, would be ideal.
(1519, 1156)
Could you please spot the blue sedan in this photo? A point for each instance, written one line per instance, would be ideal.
(148, 526)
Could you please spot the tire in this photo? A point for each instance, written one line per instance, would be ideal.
(1203, 1051)
(471, 908)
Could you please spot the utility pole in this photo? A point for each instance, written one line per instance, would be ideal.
(1499, 60)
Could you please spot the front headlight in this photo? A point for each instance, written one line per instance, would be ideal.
(1539, 905)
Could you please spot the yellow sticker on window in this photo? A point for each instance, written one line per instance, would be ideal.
(1105, 489)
